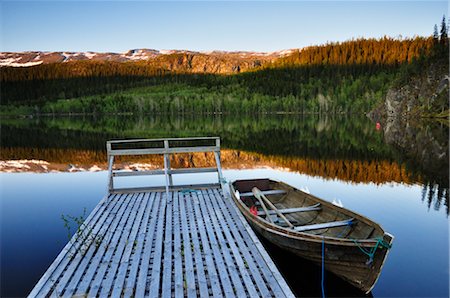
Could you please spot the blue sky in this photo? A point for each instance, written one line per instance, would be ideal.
(117, 26)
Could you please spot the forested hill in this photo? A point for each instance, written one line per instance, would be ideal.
(384, 51)
(351, 76)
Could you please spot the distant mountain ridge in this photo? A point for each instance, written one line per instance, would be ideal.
(32, 58)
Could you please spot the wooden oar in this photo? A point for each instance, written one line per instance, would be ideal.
(258, 197)
(258, 194)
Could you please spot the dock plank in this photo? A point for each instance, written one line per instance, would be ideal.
(140, 242)
(199, 271)
(230, 263)
(268, 269)
(149, 240)
(130, 246)
(126, 240)
(88, 257)
(238, 256)
(187, 249)
(177, 249)
(246, 251)
(92, 266)
(115, 236)
(206, 250)
(157, 258)
(167, 263)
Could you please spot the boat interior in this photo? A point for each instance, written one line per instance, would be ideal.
(295, 210)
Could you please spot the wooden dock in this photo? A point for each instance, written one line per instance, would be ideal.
(172, 242)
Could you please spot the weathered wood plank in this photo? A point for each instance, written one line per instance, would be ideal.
(245, 246)
(187, 250)
(162, 188)
(325, 225)
(162, 172)
(214, 239)
(115, 235)
(135, 261)
(177, 249)
(266, 192)
(141, 284)
(160, 140)
(315, 207)
(240, 260)
(95, 247)
(270, 272)
(92, 265)
(130, 246)
(126, 240)
(207, 251)
(229, 261)
(168, 245)
(199, 265)
(164, 150)
(157, 257)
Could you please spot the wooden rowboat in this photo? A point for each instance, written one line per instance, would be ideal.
(355, 246)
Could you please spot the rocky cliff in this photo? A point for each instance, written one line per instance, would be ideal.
(421, 92)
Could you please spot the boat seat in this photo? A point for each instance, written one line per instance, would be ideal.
(314, 207)
(265, 192)
(324, 225)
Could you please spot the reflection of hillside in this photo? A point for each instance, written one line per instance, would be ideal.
(342, 169)
(310, 136)
(347, 148)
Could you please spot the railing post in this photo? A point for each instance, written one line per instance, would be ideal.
(110, 167)
(217, 157)
(166, 166)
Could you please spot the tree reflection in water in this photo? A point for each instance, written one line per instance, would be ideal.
(346, 148)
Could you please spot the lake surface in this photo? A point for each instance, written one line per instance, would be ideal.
(383, 172)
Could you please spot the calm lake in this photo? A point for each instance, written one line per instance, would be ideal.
(394, 173)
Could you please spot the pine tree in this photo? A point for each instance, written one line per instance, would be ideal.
(444, 35)
(435, 34)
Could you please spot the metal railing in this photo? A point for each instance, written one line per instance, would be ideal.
(164, 147)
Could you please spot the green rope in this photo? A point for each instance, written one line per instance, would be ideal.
(371, 252)
(188, 190)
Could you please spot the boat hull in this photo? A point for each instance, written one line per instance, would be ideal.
(346, 260)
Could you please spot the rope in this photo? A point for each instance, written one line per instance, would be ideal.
(323, 267)
(188, 190)
(371, 252)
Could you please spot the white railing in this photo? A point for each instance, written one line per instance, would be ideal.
(165, 147)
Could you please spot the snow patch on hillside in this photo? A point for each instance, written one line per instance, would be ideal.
(14, 62)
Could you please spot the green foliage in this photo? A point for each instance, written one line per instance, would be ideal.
(83, 237)
(266, 94)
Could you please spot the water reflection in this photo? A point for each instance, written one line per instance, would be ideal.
(354, 150)
(435, 195)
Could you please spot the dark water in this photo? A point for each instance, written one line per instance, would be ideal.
(370, 171)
